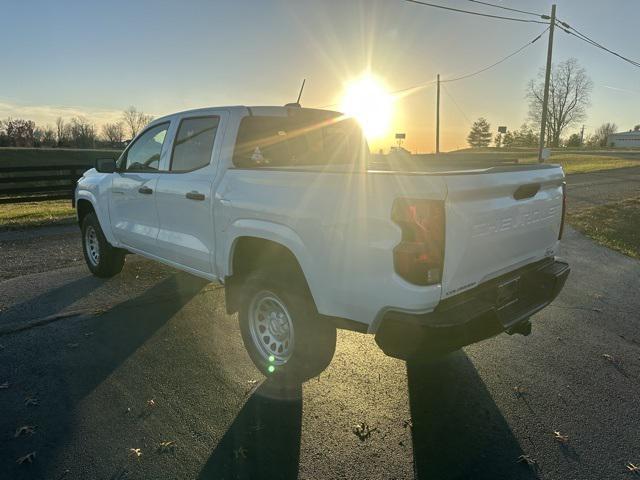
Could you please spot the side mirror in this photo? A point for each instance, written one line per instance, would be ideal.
(106, 165)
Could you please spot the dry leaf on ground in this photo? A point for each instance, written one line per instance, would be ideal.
(240, 452)
(24, 430)
(560, 437)
(362, 430)
(633, 468)
(135, 452)
(519, 391)
(28, 458)
(527, 459)
(167, 446)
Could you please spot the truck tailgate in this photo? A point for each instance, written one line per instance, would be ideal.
(499, 221)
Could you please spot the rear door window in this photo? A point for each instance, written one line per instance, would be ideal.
(304, 138)
(193, 144)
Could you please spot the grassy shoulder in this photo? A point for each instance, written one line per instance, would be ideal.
(578, 163)
(34, 214)
(614, 225)
(572, 161)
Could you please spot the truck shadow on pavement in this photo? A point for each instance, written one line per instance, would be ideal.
(52, 301)
(262, 442)
(117, 335)
(458, 431)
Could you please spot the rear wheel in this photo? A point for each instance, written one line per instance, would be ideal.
(285, 337)
(102, 259)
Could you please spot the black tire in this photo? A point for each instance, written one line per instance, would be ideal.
(109, 260)
(314, 338)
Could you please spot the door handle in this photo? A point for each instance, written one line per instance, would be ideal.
(145, 190)
(194, 195)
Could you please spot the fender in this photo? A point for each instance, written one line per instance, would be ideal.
(101, 212)
(274, 232)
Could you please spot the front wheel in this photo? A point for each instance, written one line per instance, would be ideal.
(284, 335)
(102, 259)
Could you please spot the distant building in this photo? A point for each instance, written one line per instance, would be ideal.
(628, 139)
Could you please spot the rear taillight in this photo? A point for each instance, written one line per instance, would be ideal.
(564, 208)
(419, 256)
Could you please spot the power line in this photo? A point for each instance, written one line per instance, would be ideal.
(513, 19)
(431, 82)
(597, 45)
(576, 33)
(546, 17)
(414, 87)
(498, 62)
(456, 104)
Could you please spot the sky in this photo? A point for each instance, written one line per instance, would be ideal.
(94, 59)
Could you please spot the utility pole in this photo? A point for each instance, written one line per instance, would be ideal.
(582, 136)
(438, 117)
(547, 76)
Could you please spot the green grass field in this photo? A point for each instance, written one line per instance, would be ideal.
(34, 214)
(614, 225)
(579, 163)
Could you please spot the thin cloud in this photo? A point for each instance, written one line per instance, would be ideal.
(47, 114)
(621, 89)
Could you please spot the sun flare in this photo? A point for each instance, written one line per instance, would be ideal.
(368, 101)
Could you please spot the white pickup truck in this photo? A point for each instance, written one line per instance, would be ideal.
(278, 204)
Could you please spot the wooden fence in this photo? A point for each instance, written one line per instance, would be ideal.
(39, 183)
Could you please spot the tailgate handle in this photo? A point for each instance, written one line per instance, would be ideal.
(193, 195)
(526, 191)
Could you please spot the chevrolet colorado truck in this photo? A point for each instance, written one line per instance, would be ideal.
(279, 205)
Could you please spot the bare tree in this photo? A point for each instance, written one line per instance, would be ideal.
(569, 96)
(63, 132)
(113, 133)
(600, 136)
(83, 133)
(135, 120)
(38, 135)
(20, 132)
(48, 136)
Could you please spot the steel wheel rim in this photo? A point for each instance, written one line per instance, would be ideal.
(271, 328)
(92, 246)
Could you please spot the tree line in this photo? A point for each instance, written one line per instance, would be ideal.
(569, 98)
(76, 132)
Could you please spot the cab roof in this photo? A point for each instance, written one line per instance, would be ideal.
(257, 110)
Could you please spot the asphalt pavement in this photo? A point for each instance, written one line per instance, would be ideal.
(145, 376)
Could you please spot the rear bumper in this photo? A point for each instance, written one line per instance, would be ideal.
(476, 314)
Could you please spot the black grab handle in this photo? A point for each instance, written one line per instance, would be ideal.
(194, 196)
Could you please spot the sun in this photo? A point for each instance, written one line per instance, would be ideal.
(368, 101)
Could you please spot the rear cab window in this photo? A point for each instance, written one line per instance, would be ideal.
(302, 138)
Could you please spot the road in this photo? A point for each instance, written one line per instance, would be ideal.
(596, 188)
(85, 377)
